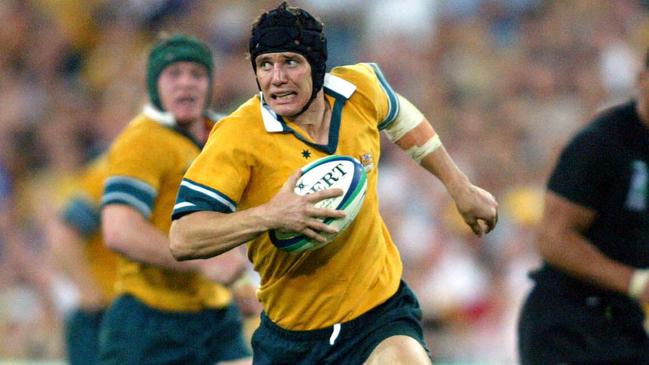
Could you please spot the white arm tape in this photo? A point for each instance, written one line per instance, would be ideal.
(408, 118)
(638, 283)
(417, 153)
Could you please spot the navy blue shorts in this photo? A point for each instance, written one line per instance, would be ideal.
(349, 343)
(133, 333)
(82, 336)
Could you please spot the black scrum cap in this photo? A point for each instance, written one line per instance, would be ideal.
(291, 29)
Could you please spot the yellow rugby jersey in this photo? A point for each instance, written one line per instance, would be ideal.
(81, 211)
(145, 166)
(250, 155)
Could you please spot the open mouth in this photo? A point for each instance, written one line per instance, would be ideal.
(282, 96)
(186, 100)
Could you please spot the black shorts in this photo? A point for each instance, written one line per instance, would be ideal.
(348, 343)
(556, 327)
(133, 333)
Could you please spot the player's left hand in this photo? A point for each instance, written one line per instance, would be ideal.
(225, 268)
(295, 213)
(246, 297)
(478, 208)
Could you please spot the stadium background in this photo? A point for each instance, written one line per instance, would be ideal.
(505, 83)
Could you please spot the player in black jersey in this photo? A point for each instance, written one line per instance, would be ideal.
(587, 303)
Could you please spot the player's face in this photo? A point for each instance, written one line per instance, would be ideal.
(285, 81)
(183, 88)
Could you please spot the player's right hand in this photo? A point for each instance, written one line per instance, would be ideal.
(291, 212)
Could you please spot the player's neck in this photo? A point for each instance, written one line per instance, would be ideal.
(196, 129)
(314, 114)
(316, 120)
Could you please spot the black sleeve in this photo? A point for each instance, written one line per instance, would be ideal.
(581, 172)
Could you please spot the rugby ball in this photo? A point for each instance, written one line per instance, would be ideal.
(336, 171)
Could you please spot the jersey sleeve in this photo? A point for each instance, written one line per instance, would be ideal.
(378, 94)
(137, 163)
(81, 214)
(81, 211)
(216, 179)
(581, 172)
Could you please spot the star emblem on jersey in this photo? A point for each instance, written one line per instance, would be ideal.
(306, 154)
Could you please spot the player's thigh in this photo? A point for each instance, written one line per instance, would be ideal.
(397, 350)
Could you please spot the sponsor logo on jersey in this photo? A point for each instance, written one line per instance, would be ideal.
(367, 161)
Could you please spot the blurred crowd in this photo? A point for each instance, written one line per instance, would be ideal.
(504, 82)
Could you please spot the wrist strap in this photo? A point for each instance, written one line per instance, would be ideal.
(638, 283)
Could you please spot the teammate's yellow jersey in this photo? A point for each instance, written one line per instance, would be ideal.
(250, 155)
(145, 166)
(82, 212)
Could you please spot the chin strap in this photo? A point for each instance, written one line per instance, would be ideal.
(306, 106)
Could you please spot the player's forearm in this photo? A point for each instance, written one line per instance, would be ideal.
(126, 231)
(440, 164)
(412, 132)
(573, 253)
(66, 247)
(207, 234)
(76, 266)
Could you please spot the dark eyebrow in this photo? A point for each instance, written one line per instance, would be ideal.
(261, 59)
(282, 58)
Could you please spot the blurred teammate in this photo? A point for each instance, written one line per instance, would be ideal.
(585, 307)
(74, 239)
(165, 312)
(344, 303)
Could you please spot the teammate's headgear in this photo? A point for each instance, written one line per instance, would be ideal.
(178, 47)
(291, 29)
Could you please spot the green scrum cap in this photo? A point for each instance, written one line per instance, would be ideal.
(178, 47)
